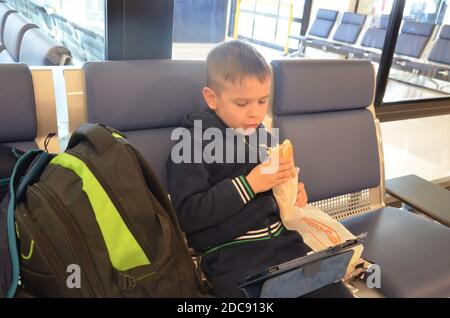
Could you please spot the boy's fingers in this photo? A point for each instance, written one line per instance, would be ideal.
(283, 180)
(287, 174)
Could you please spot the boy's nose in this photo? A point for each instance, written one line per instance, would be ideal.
(253, 112)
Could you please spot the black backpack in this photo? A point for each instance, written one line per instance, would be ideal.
(8, 159)
(94, 221)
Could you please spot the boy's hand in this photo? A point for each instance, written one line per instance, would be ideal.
(302, 197)
(261, 182)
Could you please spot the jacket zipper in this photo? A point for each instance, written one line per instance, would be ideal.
(72, 235)
(45, 245)
(114, 200)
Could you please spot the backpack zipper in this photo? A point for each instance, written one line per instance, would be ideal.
(72, 235)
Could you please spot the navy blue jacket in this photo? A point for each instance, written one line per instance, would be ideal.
(210, 198)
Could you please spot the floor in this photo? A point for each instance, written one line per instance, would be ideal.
(417, 146)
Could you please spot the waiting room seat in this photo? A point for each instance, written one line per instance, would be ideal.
(325, 108)
(146, 100)
(4, 12)
(372, 40)
(28, 107)
(413, 38)
(437, 65)
(319, 31)
(18, 123)
(375, 35)
(347, 31)
(15, 28)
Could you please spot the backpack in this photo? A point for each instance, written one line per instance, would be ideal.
(8, 159)
(94, 221)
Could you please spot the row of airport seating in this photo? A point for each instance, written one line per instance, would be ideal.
(85, 44)
(335, 134)
(23, 41)
(421, 48)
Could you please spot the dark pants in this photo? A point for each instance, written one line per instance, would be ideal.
(229, 266)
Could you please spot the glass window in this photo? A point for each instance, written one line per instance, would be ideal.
(264, 23)
(345, 30)
(78, 24)
(421, 64)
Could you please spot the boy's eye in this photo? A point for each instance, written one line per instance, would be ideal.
(262, 101)
(240, 104)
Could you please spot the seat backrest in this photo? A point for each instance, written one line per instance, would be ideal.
(322, 107)
(440, 52)
(376, 33)
(4, 12)
(324, 22)
(37, 48)
(15, 28)
(18, 124)
(146, 100)
(413, 38)
(350, 27)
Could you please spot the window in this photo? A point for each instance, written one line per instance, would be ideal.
(421, 64)
(78, 24)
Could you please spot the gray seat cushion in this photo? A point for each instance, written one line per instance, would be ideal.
(17, 107)
(327, 156)
(23, 146)
(145, 100)
(413, 252)
(375, 35)
(350, 27)
(413, 38)
(323, 23)
(440, 51)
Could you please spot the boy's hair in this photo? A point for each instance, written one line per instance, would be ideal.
(234, 60)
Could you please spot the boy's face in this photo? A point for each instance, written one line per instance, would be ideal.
(240, 104)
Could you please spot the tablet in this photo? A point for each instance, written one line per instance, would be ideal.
(302, 275)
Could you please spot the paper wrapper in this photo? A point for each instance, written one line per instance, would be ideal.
(318, 229)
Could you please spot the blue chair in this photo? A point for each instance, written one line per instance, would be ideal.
(325, 109)
(146, 100)
(350, 27)
(413, 38)
(319, 31)
(437, 65)
(18, 123)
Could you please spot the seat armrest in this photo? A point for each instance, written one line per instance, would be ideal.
(422, 195)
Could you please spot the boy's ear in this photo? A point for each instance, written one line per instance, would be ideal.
(210, 97)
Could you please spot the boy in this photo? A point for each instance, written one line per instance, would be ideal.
(227, 209)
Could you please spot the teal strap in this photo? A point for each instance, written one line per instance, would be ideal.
(10, 226)
(4, 182)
